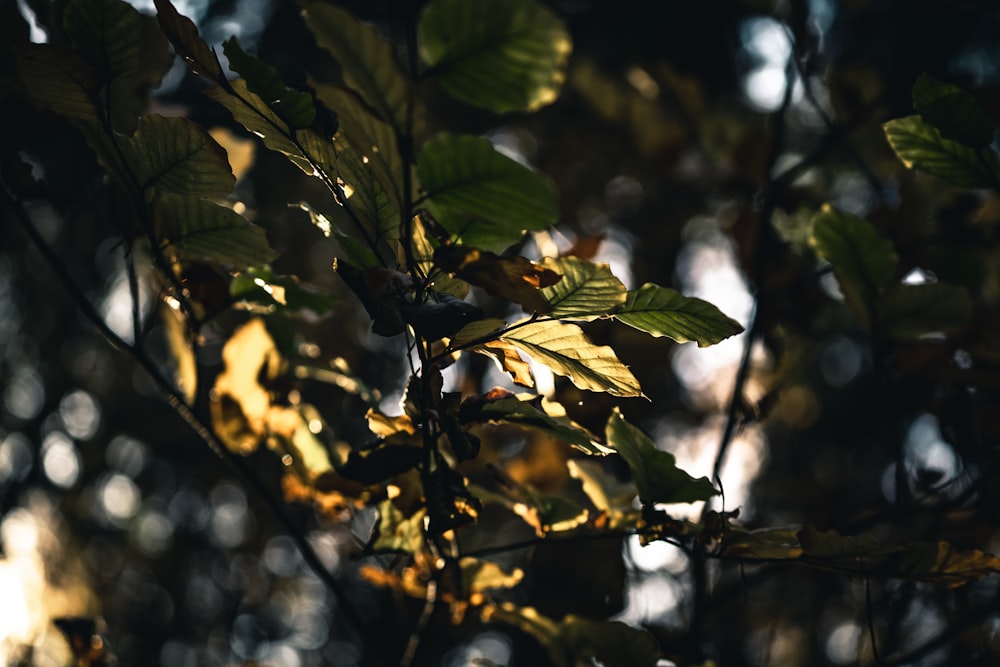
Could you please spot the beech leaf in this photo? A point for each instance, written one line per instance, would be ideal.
(568, 352)
(661, 311)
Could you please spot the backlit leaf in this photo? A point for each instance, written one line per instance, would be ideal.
(940, 562)
(293, 106)
(376, 211)
(397, 533)
(185, 365)
(59, 79)
(183, 35)
(513, 278)
(239, 402)
(349, 249)
(919, 145)
(954, 112)
(259, 285)
(201, 230)
(566, 351)
(106, 33)
(367, 61)
(586, 291)
(765, 544)
(610, 495)
(423, 248)
(304, 148)
(175, 155)
(661, 311)
(127, 97)
(482, 575)
(500, 55)
(862, 258)
(372, 138)
(655, 471)
(831, 544)
(911, 311)
(476, 193)
(524, 413)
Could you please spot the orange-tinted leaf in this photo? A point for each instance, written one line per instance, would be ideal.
(513, 278)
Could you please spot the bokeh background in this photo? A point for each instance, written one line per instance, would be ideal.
(680, 159)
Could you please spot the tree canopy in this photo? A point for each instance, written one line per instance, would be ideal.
(502, 332)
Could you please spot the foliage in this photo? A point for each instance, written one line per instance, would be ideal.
(444, 241)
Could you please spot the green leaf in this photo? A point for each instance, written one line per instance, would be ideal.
(953, 111)
(832, 545)
(397, 533)
(661, 311)
(128, 93)
(183, 35)
(477, 193)
(546, 513)
(176, 155)
(58, 79)
(655, 472)
(423, 254)
(259, 285)
(862, 258)
(516, 278)
(940, 562)
(611, 496)
(376, 211)
(367, 61)
(304, 148)
(566, 351)
(764, 544)
(855, 249)
(525, 414)
(350, 249)
(911, 311)
(292, 106)
(373, 139)
(919, 145)
(200, 230)
(503, 55)
(586, 291)
(106, 33)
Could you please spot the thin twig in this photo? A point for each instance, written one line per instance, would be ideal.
(413, 644)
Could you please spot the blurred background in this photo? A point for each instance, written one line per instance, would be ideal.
(691, 146)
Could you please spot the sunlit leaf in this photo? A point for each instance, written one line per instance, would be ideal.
(586, 291)
(482, 575)
(293, 106)
(59, 79)
(940, 562)
(476, 332)
(183, 35)
(368, 62)
(307, 150)
(477, 193)
(185, 365)
(568, 352)
(544, 512)
(397, 533)
(106, 33)
(239, 402)
(240, 151)
(526, 414)
(372, 138)
(501, 55)
(295, 432)
(173, 154)
(198, 229)
(259, 285)
(423, 248)
(919, 145)
(863, 259)
(955, 113)
(349, 249)
(513, 278)
(372, 205)
(655, 471)
(911, 311)
(661, 311)
(610, 495)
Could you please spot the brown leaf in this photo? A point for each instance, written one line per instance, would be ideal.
(516, 279)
